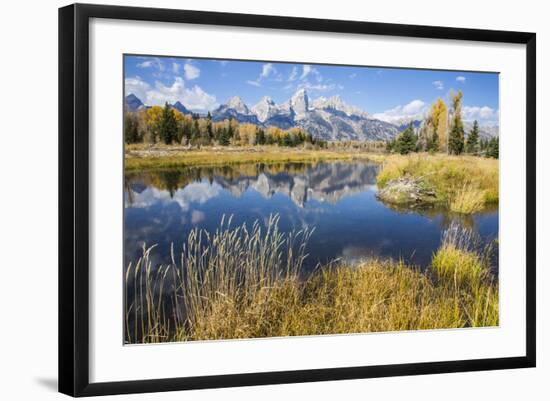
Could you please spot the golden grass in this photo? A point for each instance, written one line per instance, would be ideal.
(467, 200)
(464, 183)
(237, 283)
(142, 157)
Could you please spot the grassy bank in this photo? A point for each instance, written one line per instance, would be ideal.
(248, 282)
(142, 157)
(465, 184)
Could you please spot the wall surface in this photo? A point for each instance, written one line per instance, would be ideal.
(28, 201)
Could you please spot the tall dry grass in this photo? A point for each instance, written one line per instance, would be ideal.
(241, 283)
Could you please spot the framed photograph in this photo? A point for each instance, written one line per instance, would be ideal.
(250, 199)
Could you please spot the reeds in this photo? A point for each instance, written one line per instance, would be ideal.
(248, 283)
(468, 199)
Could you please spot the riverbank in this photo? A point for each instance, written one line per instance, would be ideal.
(144, 157)
(248, 283)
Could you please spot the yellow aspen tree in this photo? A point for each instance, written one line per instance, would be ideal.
(439, 116)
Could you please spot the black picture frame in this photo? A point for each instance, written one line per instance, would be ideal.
(74, 198)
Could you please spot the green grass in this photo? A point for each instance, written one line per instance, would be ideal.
(141, 157)
(464, 184)
(248, 282)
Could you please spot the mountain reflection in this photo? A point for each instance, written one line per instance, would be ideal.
(301, 182)
(336, 199)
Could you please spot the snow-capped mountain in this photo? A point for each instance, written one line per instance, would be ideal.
(330, 119)
(299, 103)
(269, 113)
(237, 109)
(324, 118)
(336, 103)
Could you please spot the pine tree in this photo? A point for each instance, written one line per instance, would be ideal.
(456, 136)
(472, 143)
(390, 146)
(168, 125)
(131, 129)
(492, 148)
(406, 141)
(260, 137)
(224, 137)
(209, 126)
(195, 130)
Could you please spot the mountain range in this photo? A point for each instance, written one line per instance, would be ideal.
(325, 118)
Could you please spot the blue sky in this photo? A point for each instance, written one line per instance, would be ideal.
(385, 93)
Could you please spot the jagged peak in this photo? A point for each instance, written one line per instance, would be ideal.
(267, 99)
(237, 104)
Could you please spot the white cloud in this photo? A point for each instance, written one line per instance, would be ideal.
(460, 78)
(352, 76)
(414, 107)
(310, 79)
(191, 72)
(438, 85)
(470, 113)
(193, 98)
(413, 110)
(137, 87)
(268, 72)
(153, 62)
(176, 68)
(306, 69)
(293, 74)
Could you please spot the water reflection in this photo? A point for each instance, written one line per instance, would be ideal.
(338, 199)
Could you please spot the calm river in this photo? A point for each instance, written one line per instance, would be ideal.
(337, 198)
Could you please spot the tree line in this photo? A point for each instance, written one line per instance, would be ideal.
(167, 125)
(443, 131)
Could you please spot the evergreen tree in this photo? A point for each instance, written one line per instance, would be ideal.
(432, 144)
(406, 141)
(195, 130)
(168, 125)
(390, 146)
(456, 136)
(224, 137)
(209, 126)
(260, 137)
(131, 129)
(230, 131)
(472, 143)
(492, 148)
